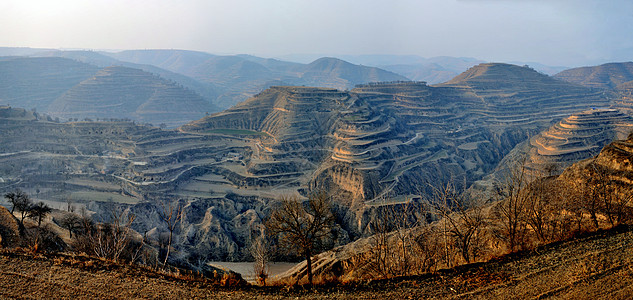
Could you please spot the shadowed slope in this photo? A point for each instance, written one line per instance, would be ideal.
(37, 82)
(120, 92)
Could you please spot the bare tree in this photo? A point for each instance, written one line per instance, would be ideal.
(393, 246)
(380, 253)
(109, 240)
(596, 188)
(462, 217)
(514, 197)
(300, 227)
(18, 199)
(22, 203)
(170, 214)
(620, 211)
(71, 222)
(259, 250)
(39, 211)
(609, 195)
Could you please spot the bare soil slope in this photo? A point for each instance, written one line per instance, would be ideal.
(598, 266)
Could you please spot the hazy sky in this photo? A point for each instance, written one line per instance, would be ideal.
(565, 32)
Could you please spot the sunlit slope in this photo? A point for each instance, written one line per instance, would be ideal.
(577, 137)
(389, 137)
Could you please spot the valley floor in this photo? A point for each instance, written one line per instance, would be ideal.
(597, 266)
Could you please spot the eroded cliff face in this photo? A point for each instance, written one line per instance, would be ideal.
(379, 141)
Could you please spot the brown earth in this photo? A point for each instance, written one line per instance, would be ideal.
(596, 266)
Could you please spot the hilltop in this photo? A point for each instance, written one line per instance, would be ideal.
(500, 76)
(339, 74)
(103, 60)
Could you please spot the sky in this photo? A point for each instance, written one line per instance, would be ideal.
(552, 32)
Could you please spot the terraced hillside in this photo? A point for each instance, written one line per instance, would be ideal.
(101, 165)
(381, 139)
(103, 60)
(577, 137)
(121, 92)
(37, 82)
(377, 141)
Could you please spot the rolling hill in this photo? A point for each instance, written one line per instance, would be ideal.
(103, 59)
(606, 76)
(178, 61)
(37, 82)
(121, 92)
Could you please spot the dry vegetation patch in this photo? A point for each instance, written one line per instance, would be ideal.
(595, 266)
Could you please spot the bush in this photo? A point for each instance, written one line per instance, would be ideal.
(44, 239)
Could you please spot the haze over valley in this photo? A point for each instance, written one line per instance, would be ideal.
(407, 138)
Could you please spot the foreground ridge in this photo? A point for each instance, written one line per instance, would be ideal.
(597, 265)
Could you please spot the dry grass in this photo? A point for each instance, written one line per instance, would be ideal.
(596, 266)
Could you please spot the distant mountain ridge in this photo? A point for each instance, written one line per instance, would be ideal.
(433, 70)
(241, 76)
(221, 80)
(179, 61)
(606, 76)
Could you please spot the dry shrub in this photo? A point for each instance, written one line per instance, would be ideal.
(327, 279)
(108, 240)
(43, 239)
(231, 279)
